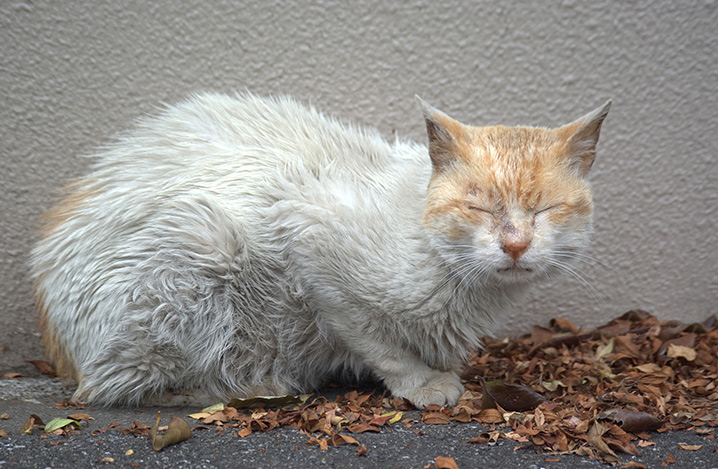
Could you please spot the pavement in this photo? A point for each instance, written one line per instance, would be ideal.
(101, 443)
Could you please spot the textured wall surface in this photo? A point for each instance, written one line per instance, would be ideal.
(72, 75)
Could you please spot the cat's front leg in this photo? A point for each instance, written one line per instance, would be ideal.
(406, 375)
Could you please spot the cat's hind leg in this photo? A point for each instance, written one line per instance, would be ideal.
(188, 318)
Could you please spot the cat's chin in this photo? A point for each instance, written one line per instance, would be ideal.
(516, 274)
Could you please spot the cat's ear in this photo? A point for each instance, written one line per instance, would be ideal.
(582, 137)
(444, 135)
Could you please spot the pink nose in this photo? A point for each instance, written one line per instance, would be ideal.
(514, 248)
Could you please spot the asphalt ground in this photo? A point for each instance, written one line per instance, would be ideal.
(102, 444)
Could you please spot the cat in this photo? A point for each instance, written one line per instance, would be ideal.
(241, 245)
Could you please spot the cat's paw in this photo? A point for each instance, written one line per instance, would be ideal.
(440, 389)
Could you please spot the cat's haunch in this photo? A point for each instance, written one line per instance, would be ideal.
(236, 246)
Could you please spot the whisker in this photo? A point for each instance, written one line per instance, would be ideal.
(577, 275)
(582, 257)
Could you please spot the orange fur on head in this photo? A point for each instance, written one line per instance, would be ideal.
(498, 169)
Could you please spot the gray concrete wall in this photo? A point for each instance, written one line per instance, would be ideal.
(72, 74)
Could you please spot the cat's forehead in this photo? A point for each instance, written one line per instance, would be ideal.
(519, 164)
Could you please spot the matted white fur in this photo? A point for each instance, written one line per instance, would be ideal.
(241, 245)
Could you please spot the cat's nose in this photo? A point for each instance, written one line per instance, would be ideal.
(515, 247)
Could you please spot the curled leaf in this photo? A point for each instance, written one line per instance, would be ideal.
(178, 430)
(338, 439)
(595, 437)
(31, 423)
(264, 401)
(43, 367)
(512, 397)
(435, 418)
(79, 416)
(680, 351)
(445, 463)
(630, 421)
(602, 351)
(214, 408)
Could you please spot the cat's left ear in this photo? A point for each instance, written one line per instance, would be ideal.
(582, 137)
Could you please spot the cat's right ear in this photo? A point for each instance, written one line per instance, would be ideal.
(444, 135)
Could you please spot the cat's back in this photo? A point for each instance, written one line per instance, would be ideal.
(227, 132)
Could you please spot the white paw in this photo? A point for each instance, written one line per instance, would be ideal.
(440, 389)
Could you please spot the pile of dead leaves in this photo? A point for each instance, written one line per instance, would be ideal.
(597, 393)
(605, 388)
(324, 422)
(591, 392)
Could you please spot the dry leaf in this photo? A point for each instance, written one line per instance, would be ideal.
(490, 416)
(178, 430)
(4, 416)
(80, 417)
(679, 351)
(43, 367)
(442, 462)
(631, 421)
(339, 439)
(595, 437)
(435, 418)
(512, 397)
(12, 374)
(31, 423)
(268, 401)
(689, 447)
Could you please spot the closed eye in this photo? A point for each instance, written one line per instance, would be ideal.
(549, 208)
(479, 209)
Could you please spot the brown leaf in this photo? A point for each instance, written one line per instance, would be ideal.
(631, 421)
(689, 447)
(11, 375)
(31, 423)
(137, 429)
(43, 367)
(339, 439)
(595, 437)
(442, 462)
(435, 418)
(178, 430)
(361, 451)
(244, 432)
(490, 416)
(268, 401)
(363, 427)
(563, 325)
(80, 417)
(512, 397)
(680, 351)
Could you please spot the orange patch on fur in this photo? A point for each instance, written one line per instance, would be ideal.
(54, 348)
(504, 168)
(78, 193)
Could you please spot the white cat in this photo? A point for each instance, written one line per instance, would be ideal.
(237, 246)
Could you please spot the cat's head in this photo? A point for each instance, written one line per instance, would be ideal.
(510, 204)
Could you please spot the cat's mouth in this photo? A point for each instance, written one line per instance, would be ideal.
(516, 269)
